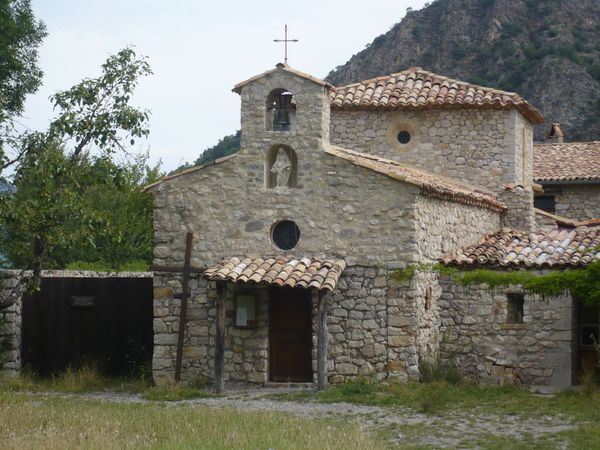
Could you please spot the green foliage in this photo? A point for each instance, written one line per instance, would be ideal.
(97, 111)
(91, 215)
(436, 370)
(70, 204)
(583, 283)
(20, 38)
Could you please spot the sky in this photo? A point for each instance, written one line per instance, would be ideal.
(198, 51)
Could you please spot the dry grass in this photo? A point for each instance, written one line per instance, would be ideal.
(38, 421)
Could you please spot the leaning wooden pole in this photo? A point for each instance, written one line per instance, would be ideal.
(322, 342)
(185, 292)
(220, 340)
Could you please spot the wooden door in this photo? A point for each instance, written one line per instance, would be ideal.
(290, 335)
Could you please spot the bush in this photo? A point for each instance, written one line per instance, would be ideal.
(437, 370)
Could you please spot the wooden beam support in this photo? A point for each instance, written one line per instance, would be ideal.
(183, 304)
(220, 339)
(322, 341)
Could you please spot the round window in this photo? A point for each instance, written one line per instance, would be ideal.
(285, 234)
(404, 137)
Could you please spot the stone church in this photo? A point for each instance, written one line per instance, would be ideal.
(294, 240)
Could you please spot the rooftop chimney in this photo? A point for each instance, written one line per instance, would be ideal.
(555, 134)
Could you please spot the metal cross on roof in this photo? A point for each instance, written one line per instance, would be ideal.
(285, 41)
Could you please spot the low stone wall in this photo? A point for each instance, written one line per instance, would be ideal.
(12, 286)
(477, 336)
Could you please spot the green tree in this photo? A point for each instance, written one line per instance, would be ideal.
(20, 37)
(70, 197)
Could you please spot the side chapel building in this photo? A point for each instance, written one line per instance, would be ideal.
(296, 237)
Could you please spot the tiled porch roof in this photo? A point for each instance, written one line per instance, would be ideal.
(418, 88)
(508, 248)
(281, 271)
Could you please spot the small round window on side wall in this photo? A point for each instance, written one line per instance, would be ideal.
(403, 137)
(285, 235)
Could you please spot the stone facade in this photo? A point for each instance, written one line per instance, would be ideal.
(577, 202)
(377, 326)
(487, 148)
(476, 333)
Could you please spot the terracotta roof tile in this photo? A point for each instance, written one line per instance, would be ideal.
(415, 87)
(432, 185)
(572, 161)
(281, 271)
(508, 248)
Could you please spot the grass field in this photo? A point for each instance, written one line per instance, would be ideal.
(60, 413)
(37, 421)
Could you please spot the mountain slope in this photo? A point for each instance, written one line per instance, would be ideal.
(546, 50)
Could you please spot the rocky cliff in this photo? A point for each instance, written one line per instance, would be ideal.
(546, 50)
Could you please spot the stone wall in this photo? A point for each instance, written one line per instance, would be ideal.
(444, 227)
(488, 148)
(378, 328)
(245, 349)
(520, 214)
(580, 202)
(475, 332)
(12, 286)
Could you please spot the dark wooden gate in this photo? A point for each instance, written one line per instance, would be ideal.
(105, 322)
(290, 335)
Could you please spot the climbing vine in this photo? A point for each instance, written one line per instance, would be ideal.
(583, 283)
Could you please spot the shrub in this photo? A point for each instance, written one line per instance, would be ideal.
(437, 370)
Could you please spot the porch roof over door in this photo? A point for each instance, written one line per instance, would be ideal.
(279, 271)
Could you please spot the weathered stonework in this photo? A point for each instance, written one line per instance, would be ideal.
(487, 148)
(475, 332)
(580, 202)
(377, 326)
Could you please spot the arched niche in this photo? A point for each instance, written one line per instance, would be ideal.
(281, 167)
(280, 111)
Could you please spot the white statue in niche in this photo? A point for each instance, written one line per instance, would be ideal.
(282, 168)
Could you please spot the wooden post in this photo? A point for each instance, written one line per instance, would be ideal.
(220, 339)
(183, 304)
(322, 342)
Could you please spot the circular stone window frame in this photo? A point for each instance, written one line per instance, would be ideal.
(272, 230)
(396, 127)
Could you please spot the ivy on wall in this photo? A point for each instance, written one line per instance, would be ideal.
(583, 283)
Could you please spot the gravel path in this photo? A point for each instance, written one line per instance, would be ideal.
(447, 431)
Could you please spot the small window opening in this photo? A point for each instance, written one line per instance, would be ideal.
(281, 110)
(514, 311)
(404, 137)
(545, 203)
(285, 235)
(428, 296)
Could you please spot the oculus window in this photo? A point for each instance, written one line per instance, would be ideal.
(403, 137)
(285, 235)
